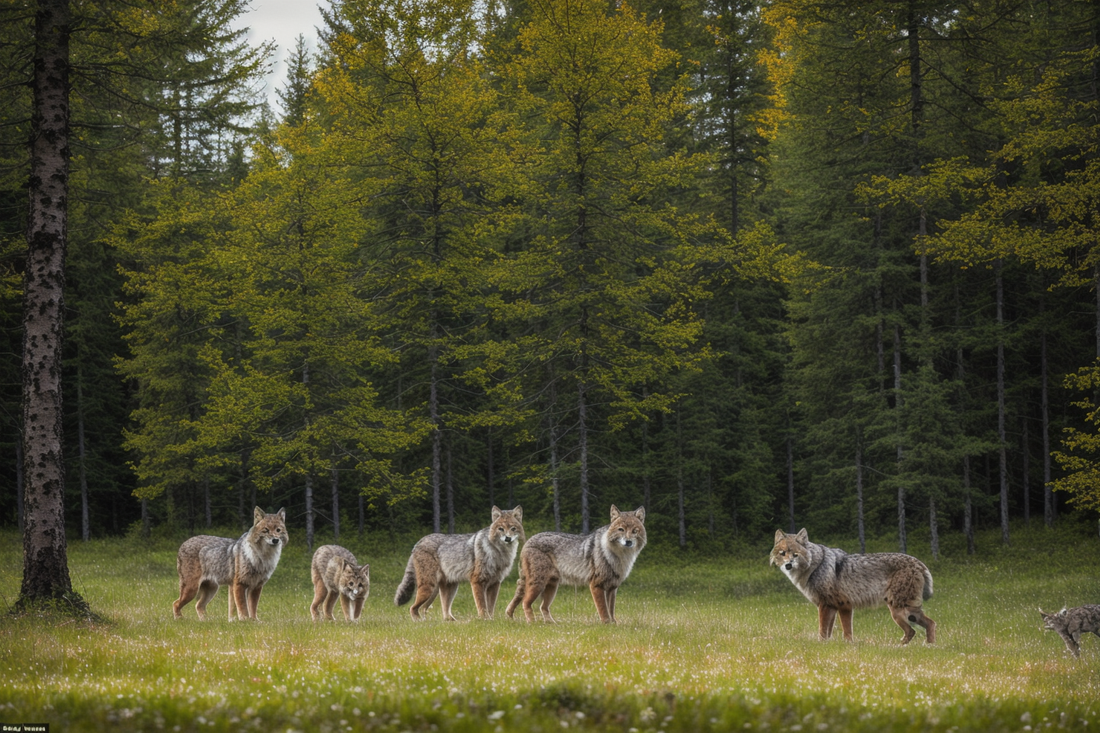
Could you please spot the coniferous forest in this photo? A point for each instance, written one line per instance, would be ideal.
(750, 265)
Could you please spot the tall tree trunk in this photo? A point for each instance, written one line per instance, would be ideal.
(1001, 432)
(1044, 399)
(968, 509)
(45, 555)
(902, 538)
(1026, 478)
(82, 460)
(207, 510)
(790, 484)
(335, 475)
(555, 484)
(490, 477)
(582, 446)
(309, 512)
(681, 515)
(859, 496)
(450, 493)
(437, 441)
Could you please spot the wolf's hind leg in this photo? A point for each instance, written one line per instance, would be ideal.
(846, 622)
(548, 594)
(207, 589)
(916, 616)
(187, 592)
(425, 594)
(901, 618)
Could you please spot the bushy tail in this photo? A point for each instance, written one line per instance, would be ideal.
(407, 586)
(927, 584)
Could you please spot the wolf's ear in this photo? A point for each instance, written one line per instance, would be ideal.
(496, 513)
(365, 571)
(614, 512)
(802, 536)
(281, 514)
(779, 534)
(258, 515)
(640, 513)
(518, 513)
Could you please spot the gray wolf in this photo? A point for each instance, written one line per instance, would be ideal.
(245, 564)
(601, 560)
(439, 562)
(837, 582)
(336, 574)
(1071, 623)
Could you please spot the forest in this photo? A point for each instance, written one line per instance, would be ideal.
(749, 265)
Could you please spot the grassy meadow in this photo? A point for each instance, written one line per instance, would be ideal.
(703, 644)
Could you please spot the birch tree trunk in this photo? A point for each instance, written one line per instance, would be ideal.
(45, 555)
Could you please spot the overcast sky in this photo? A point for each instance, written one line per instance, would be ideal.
(282, 21)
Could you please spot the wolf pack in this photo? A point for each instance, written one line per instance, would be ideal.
(833, 580)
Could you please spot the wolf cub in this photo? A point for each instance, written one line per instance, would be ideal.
(336, 574)
(1071, 623)
(439, 562)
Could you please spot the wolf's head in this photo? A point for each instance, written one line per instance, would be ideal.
(507, 526)
(627, 529)
(1053, 621)
(792, 552)
(268, 530)
(352, 581)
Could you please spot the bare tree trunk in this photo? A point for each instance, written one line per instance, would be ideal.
(681, 516)
(582, 445)
(450, 494)
(859, 496)
(45, 554)
(335, 474)
(968, 510)
(1001, 432)
(82, 460)
(1026, 478)
(437, 440)
(902, 538)
(790, 485)
(309, 512)
(1048, 495)
(207, 511)
(490, 476)
(362, 516)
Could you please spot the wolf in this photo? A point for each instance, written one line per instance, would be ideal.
(336, 574)
(601, 560)
(439, 562)
(1071, 623)
(245, 564)
(837, 582)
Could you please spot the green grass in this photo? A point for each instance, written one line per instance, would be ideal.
(701, 645)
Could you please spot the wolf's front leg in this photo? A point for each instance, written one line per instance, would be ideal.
(599, 595)
(826, 618)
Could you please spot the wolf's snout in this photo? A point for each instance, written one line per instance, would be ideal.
(789, 566)
(507, 538)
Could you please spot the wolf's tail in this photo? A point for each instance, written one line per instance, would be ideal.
(407, 586)
(927, 584)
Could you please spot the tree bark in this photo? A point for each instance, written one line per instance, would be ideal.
(1001, 432)
(1044, 399)
(335, 475)
(859, 497)
(45, 555)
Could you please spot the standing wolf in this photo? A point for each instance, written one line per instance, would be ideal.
(1071, 623)
(335, 575)
(601, 560)
(837, 582)
(245, 564)
(439, 562)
